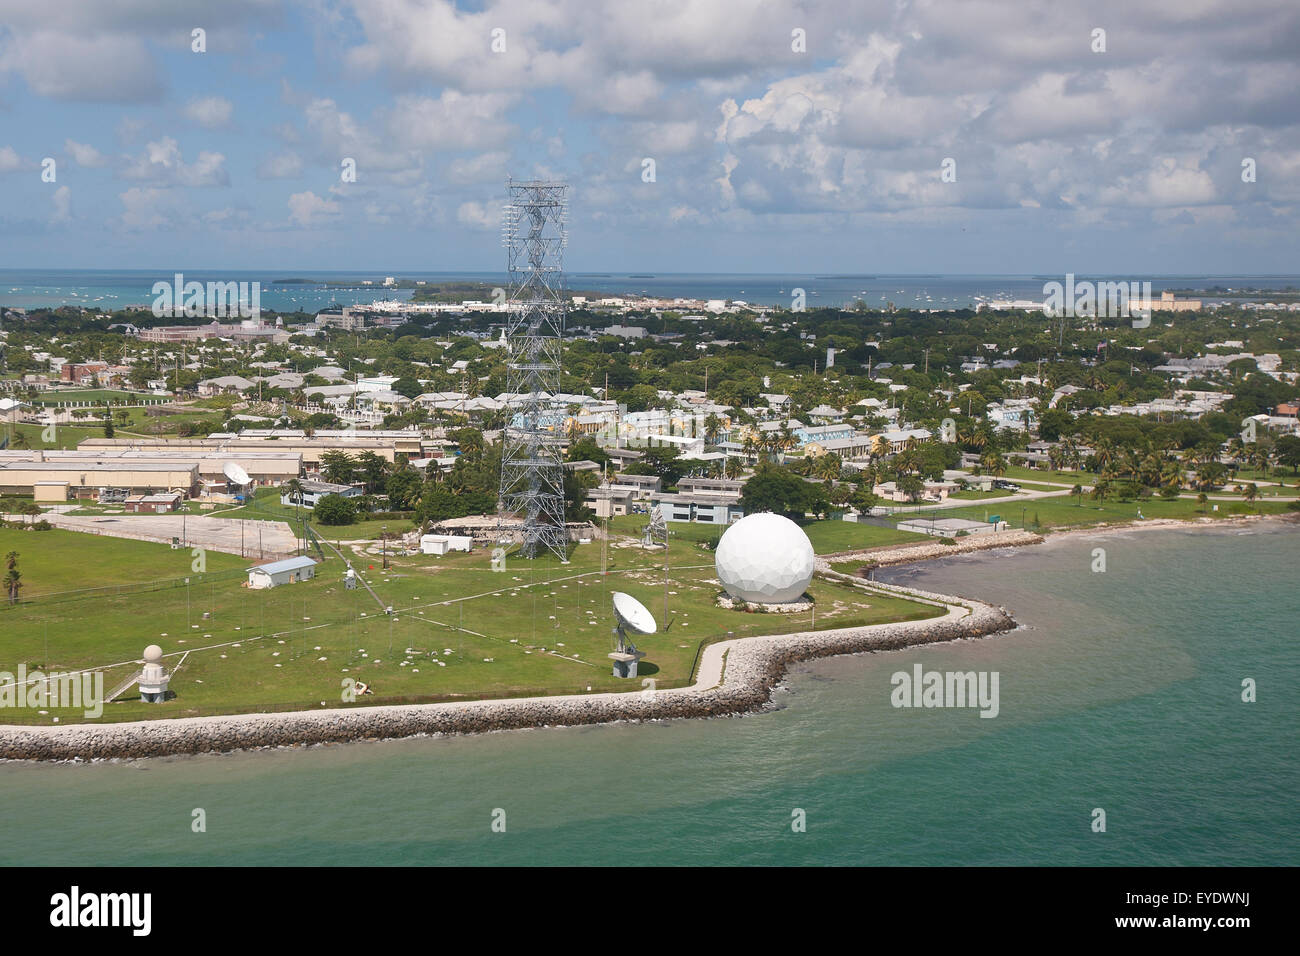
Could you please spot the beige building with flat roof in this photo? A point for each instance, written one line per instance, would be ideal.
(264, 467)
(85, 478)
(310, 449)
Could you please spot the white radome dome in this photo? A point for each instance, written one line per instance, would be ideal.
(765, 559)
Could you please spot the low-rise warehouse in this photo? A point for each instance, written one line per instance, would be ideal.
(288, 571)
(85, 478)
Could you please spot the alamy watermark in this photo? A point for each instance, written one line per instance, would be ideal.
(84, 689)
(194, 300)
(1116, 300)
(946, 689)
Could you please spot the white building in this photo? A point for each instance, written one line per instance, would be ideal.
(442, 543)
(288, 571)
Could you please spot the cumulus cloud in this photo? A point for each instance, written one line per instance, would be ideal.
(286, 165)
(162, 164)
(9, 160)
(479, 215)
(146, 208)
(210, 112)
(307, 209)
(85, 155)
(62, 205)
(103, 68)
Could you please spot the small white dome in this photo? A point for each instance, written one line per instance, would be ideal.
(765, 559)
(153, 654)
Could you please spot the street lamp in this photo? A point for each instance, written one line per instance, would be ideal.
(384, 538)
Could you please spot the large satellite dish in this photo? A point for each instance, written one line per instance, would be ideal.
(656, 532)
(631, 615)
(235, 473)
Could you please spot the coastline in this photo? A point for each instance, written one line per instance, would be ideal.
(734, 677)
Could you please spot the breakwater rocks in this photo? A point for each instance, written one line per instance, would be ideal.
(735, 677)
(906, 554)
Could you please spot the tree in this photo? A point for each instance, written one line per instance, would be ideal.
(1054, 423)
(1077, 491)
(108, 425)
(373, 470)
(864, 499)
(586, 449)
(712, 425)
(337, 467)
(408, 386)
(13, 577)
(911, 485)
(468, 440)
(334, 510)
(1287, 451)
(576, 485)
(779, 490)
(403, 488)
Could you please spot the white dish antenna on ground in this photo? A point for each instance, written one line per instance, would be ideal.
(656, 532)
(235, 473)
(631, 615)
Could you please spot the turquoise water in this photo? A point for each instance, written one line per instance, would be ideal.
(117, 288)
(1123, 691)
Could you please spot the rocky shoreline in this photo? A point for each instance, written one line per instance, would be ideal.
(910, 553)
(735, 677)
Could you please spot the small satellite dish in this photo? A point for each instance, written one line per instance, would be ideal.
(235, 473)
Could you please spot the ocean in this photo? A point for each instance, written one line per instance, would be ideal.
(115, 289)
(1121, 691)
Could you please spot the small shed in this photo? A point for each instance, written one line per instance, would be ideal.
(442, 543)
(153, 504)
(288, 571)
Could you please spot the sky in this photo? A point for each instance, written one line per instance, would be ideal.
(757, 136)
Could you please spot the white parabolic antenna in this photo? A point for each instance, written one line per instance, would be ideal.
(235, 473)
(632, 614)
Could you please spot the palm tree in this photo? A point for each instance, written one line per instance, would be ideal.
(732, 468)
(994, 464)
(712, 425)
(1201, 500)
(1250, 492)
(294, 487)
(13, 577)
(1171, 474)
(1077, 491)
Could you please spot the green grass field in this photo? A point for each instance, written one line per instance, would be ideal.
(826, 536)
(1068, 511)
(459, 629)
(54, 562)
(269, 508)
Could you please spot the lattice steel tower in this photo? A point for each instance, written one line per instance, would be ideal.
(532, 470)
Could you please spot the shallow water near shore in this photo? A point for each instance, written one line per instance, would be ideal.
(1122, 691)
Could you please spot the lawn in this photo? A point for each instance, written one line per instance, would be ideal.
(459, 629)
(54, 562)
(826, 536)
(269, 508)
(1071, 512)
